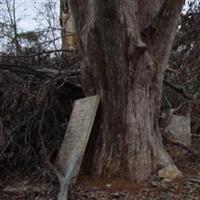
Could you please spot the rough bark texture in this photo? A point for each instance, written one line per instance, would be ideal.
(125, 45)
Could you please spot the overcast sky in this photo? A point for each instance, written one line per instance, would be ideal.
(27, 10)
(29, 20)
(32, 8)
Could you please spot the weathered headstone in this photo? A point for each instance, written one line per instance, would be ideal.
(179, 129)
(75, 141)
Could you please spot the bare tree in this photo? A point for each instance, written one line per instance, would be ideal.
(9, 24)
(125, 45)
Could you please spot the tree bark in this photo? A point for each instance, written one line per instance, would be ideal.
(125, 45)
(68, 33)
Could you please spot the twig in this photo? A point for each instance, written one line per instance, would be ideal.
(8, 143)
(194, 180)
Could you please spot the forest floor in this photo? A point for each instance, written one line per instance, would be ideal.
(13, 187)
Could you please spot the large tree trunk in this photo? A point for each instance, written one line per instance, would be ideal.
(125, 45)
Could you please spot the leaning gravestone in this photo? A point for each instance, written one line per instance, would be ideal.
(75, 141)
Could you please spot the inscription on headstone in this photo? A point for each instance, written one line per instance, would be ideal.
(75, 141)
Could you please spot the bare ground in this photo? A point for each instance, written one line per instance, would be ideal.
(13, 187)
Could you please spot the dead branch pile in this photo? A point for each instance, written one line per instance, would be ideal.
(35, 105)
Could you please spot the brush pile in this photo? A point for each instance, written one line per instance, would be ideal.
(35, 105)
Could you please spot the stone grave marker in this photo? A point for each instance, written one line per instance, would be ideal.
(180, 128)
(75, 141)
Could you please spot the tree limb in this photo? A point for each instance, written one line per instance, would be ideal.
(179, 144)
(38, 53)
(43, 73)
(165, 27)
(24, 70)
(178, 90)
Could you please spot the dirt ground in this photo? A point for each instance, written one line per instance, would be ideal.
(13, 187)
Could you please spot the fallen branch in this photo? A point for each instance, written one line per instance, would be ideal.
(39, 53)
(179, 144)
(178, 90)
(23, 70)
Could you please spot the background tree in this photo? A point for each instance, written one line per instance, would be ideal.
(29, 76)
(9, 25)
(48, 24)
(125, 46)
